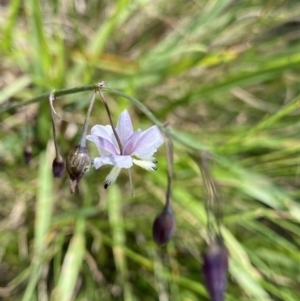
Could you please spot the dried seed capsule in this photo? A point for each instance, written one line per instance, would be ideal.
(78, 163)
(163, 226)
(27, 153)
(215, 269)
(58, 167)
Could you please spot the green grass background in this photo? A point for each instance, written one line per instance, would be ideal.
(224, 73)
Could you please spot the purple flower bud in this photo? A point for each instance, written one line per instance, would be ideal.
(58, 167)
(215, 270)
(27, 153)
(164, 226)
(78, 163)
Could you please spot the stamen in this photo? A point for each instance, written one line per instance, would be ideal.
(112, 176)
(148, 165)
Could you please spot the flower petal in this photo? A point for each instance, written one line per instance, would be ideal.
(98, 162)
(104, 146)
(131, 143)
(107, 133)
(102, 131)
(148, 165)
(116, 160)
(124, 127)
(148, 143)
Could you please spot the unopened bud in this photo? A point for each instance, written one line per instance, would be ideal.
(164, 226)
(78, 163)
(215, 269)
(58, 167)
(27, 153)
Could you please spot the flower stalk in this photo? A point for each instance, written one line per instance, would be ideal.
(27, 151)
(100, 86)
(79, 161)
(58, 163)
(212, 203)
(164, 224)
(215, 259)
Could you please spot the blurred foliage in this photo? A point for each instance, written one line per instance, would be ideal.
(224, 73)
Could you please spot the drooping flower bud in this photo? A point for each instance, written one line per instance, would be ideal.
(27, 153)
(164, 226)
(215, 269)
(78, 163)
(58, 167)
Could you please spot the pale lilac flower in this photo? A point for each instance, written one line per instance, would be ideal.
(138, 147)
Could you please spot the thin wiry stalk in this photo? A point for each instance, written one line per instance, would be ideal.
(169, 153)
(53, 113)
(51, 100)
(212, 204)
(82, 141)
(133, 100)
(100, 86)
(57, 154)
(46, 96)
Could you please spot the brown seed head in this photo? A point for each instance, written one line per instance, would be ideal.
(78, 163)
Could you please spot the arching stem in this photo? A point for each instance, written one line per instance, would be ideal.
(100, 86)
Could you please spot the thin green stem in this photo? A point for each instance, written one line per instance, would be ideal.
(100, 86)
(46, 96)
(212, 204)
(133, 100)
(169, 153)
(53, 113)
(169, 192)
(82, 141)
(57, 154)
